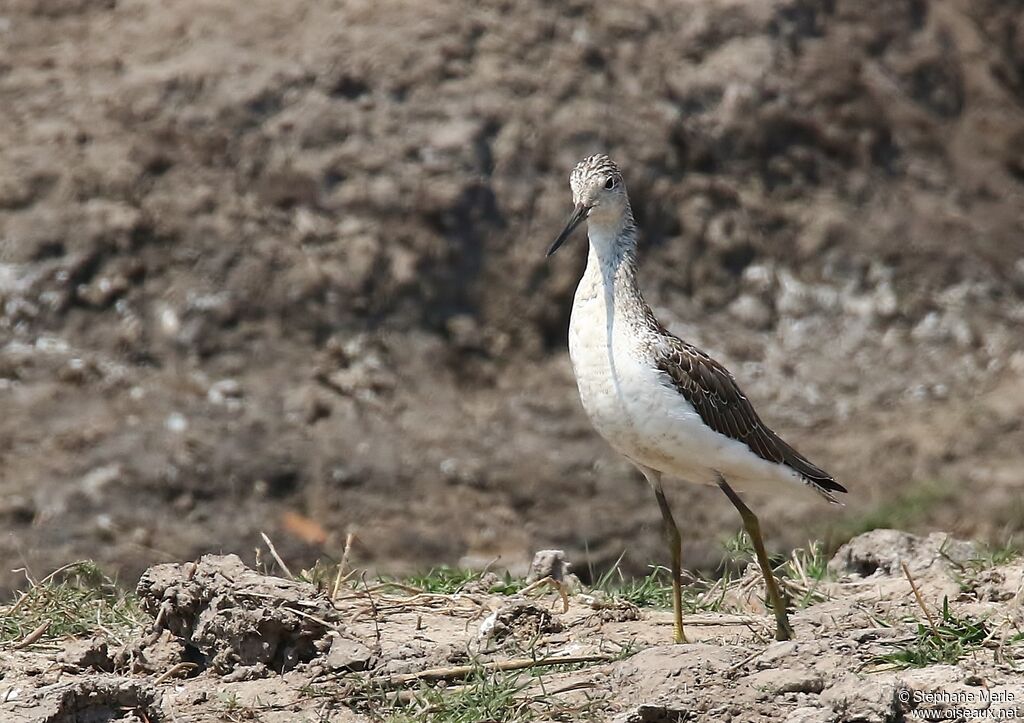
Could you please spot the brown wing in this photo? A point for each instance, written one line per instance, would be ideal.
(714, 394)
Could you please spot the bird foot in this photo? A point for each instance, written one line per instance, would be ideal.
(783, 630)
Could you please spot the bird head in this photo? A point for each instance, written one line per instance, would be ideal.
(598, 194)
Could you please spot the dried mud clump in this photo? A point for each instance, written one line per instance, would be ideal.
(96, 699)
(518, 622)
(238, 620)
(885, 551)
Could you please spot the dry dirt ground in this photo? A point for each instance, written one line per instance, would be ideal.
(279, 266)
(220, 641)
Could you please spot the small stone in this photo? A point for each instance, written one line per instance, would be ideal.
(464, 331)
(169, 321)
(226, 392)
(807, 714)
(549, 563)
(886, 304)
(454, 135)
(75, 371)
(778, 650)
(103, 290)
(777, 681)
(348, 654)
(823, 232)
(752, 311)
(794, 297)
(91, 654)
(857, 698)
(176, 422)
(97, 480)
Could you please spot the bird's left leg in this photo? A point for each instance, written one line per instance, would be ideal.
(675, 543)
(783, 630)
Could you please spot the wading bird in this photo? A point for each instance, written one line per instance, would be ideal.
(663, 403)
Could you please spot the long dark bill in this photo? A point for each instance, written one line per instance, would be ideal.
(579, 215)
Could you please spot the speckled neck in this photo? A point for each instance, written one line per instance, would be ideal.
(612, 265)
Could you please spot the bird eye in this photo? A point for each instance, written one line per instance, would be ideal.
(610, 183)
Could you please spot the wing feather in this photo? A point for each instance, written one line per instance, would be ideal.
(714, 394)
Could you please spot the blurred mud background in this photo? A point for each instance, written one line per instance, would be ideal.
(279, 266)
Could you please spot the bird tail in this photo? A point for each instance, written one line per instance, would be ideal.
(822, 482)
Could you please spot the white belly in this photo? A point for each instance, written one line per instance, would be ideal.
(641, 415)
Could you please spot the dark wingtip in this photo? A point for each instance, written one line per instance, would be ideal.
(829, 483)
(825, 486)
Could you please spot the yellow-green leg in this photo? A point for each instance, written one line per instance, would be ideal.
(783, 630)
(675, 543)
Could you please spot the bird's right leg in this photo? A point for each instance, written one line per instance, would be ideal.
(675, 543)
(783, 630)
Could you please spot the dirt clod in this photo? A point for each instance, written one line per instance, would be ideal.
(653, 714)
(236, 617)
(549, 563)
(94, 699)
(91, 654)
(860, 698)
(155, 652)
(882, 552)
(787, 680)
(518, 620)
(348, 654)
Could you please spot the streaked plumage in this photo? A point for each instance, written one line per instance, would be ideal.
(660, 401)
(713, 393)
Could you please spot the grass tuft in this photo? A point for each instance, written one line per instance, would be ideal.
(77, 600)
(803, 573)
(996, 555)
(446, 580)
(485, 697)
(948, 641)
(655, 589)
(652, 591)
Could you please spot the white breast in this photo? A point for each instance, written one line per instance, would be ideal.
(623, 395)
(634, 407)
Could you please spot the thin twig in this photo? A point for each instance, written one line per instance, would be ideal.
(17, 604)
(33, 636)
(920, 600)
(61, 569)
(376, 614)
(28, 575)
(277, 558)
(343, 564)
(743, 662)
(315, 619)
(579, 685)
(179, 668)
(461, 671)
